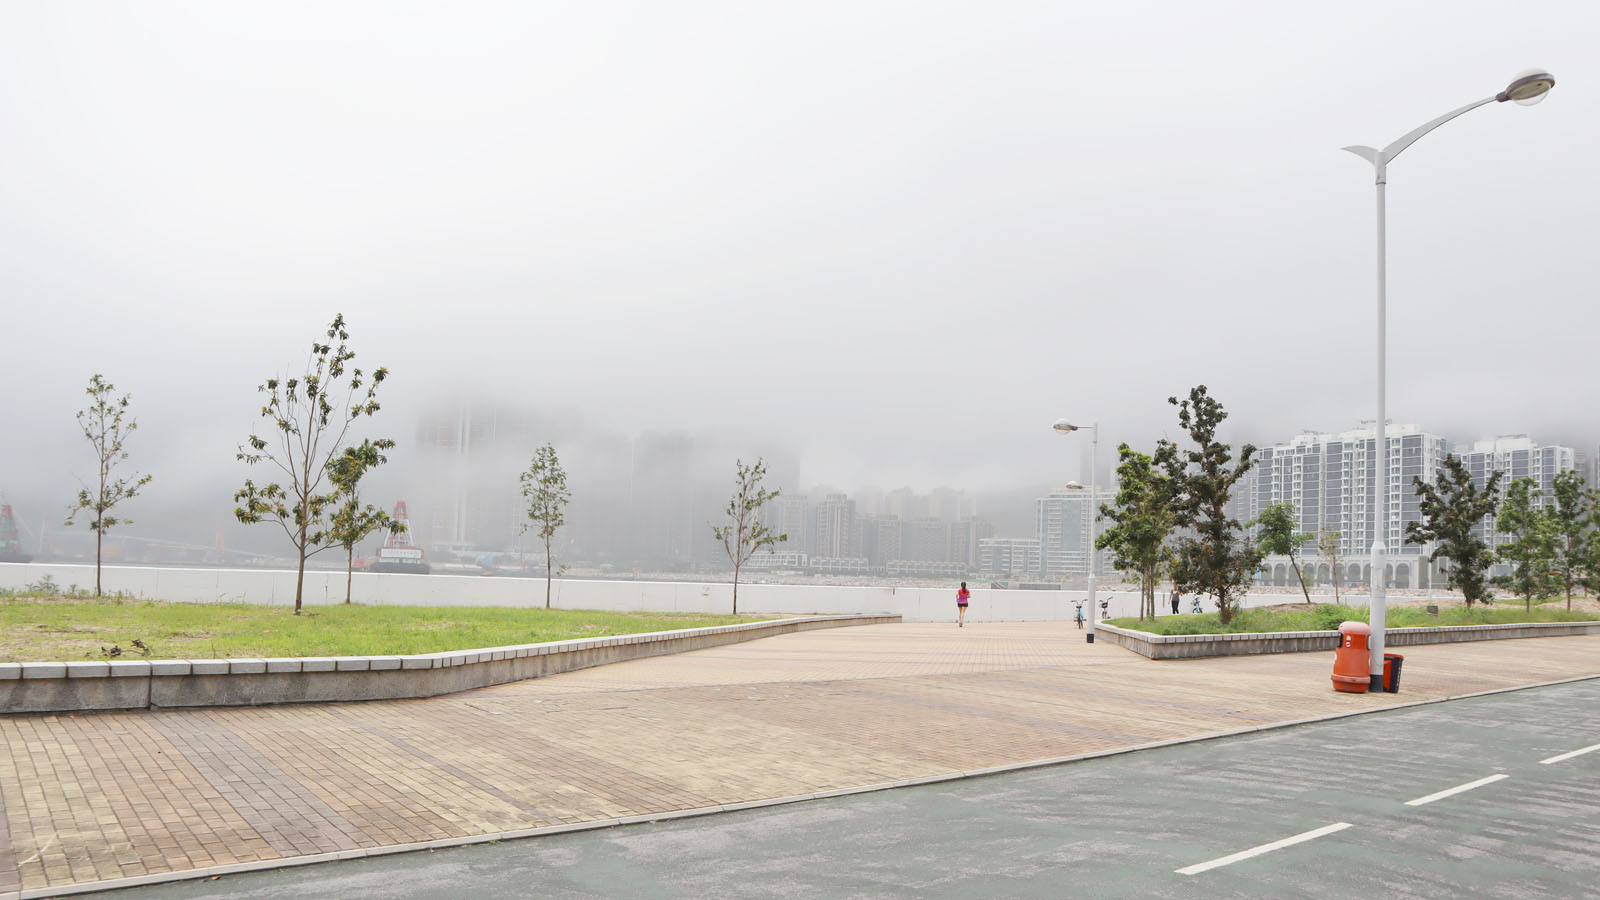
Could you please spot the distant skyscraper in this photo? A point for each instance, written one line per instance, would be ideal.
(1518, 457)
(1331, 480)
(1062, 529)
(836, 535)
(787, 515)
(947, 504)
(924, 540)
(880, 540)
(1009, 557)
(905, 504)
(964, 537)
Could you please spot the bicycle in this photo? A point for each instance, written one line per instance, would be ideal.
(1197, 609)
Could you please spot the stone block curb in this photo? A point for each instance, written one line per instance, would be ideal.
(100, 684)
(1191, 646)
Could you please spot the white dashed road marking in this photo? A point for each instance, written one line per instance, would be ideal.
(1456, 790)
(1556, 759)
(1264, 848)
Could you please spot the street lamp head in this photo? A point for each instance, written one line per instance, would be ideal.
(1064, 425)
(1528, 87)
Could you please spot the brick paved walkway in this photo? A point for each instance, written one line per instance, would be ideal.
(103, 796)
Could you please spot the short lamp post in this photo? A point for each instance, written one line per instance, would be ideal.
(1065, 426)
(1526, 89)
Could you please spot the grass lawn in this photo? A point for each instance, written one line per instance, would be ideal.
(1326, 617)
(41, 630)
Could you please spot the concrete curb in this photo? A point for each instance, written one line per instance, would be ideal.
(597, 824)
(160, 684)
(1191, 646)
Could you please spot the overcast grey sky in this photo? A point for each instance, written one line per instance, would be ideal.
(899, 237)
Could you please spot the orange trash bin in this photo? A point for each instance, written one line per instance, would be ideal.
(1352, 664)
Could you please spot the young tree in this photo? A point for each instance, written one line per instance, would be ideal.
(1329, 545)
(1141, 519)
(1533, 544)
(545, 487)
(1573, 517)
(352, 522)
(1278, 537)
(103, 425)
(1451, 508)
(1214, 557)
(744, 533)
(310, 416)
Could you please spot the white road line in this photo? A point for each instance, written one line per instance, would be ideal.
(1456, 790)
(1556, 759)
(1197, 868)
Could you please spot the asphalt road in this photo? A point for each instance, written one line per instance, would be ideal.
(1118, 827)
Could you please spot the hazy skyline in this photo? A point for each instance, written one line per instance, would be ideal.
(898, 240)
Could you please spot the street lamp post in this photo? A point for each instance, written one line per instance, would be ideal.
(1065, 426)
(1526, 89)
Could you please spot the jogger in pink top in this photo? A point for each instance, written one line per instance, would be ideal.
(961, 605)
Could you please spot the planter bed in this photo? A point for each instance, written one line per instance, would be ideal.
(157, 684)
(1185, 646)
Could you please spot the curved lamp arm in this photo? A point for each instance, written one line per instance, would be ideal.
(1381, 158)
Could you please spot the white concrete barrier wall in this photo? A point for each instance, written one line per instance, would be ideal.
(274, 587)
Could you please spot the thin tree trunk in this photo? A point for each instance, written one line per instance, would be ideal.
(300, 576)
(1301, 577)
(736, 588)
(349, 570)
(100, 514)
(548, 573)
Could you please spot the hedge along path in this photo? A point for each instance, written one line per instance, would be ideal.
(94, 798)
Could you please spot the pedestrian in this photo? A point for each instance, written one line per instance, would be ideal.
(961, 605)
(1175, 599)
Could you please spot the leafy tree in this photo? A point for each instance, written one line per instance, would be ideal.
(545, 487)
(1451, 508)
(1213, 556)
(1278, 537)
(352, 522)
(103, 425)
(1142, 518)
(310, 416)
(1328, 543)
(1534, 541)
(744, 533)
(1573, 517)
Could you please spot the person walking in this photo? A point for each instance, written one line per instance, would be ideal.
(961, 605)
(1175, 599)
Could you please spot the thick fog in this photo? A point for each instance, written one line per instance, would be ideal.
(880, 244)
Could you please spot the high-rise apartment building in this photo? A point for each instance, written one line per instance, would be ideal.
(835, 535)
(924, 540)
(1008, 557)
(1518, 457)
(880, 539)
(1062, 528)
(787, 515)
(1332, 480)
(964, 537)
